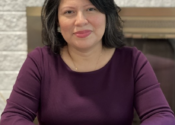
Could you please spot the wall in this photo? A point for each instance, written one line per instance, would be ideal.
(13, 37)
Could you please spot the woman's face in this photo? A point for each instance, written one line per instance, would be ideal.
(82, 25)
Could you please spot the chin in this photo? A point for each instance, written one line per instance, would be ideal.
(84, 44)
(83, 48)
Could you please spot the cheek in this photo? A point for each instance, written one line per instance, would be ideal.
(99, 22)
(65, 24)
(66, 30)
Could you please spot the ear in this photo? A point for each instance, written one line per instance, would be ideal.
(58, 29)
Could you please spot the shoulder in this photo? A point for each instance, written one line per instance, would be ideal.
(127, 49)
(41, 56)
(129, 52)
(40, 51)
(135, 59)
(38, 59)
(130, 57)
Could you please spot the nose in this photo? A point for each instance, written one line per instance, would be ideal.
(81, 19)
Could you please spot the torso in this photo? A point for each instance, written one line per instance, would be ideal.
(101, 97)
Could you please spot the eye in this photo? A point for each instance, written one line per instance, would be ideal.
(68, 12)
(91, 9)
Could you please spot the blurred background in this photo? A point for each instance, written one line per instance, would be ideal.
(148, 25)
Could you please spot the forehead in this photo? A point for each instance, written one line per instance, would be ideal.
(64, 3)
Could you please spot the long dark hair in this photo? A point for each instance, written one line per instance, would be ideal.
(112, 38)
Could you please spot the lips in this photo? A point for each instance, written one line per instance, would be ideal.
(83, 34)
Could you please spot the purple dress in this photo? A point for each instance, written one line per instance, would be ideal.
(48, 88)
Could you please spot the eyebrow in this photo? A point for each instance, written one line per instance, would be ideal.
(66, 7)
(74, 7)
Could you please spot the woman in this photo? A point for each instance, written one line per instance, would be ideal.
(84, 76)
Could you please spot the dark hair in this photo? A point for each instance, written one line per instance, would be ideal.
(113, 36)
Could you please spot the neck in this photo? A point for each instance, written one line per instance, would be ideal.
(85, 60)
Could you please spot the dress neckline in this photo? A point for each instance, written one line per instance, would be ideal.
(89, 72)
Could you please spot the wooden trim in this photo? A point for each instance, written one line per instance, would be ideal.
(33, 11)
(125, 11)
(149, 36)
(148, 11)
(149, 30)
(149, 18)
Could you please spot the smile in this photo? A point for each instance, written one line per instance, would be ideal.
(83, 34)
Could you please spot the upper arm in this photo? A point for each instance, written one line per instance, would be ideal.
(23, 102)
(149, 102)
